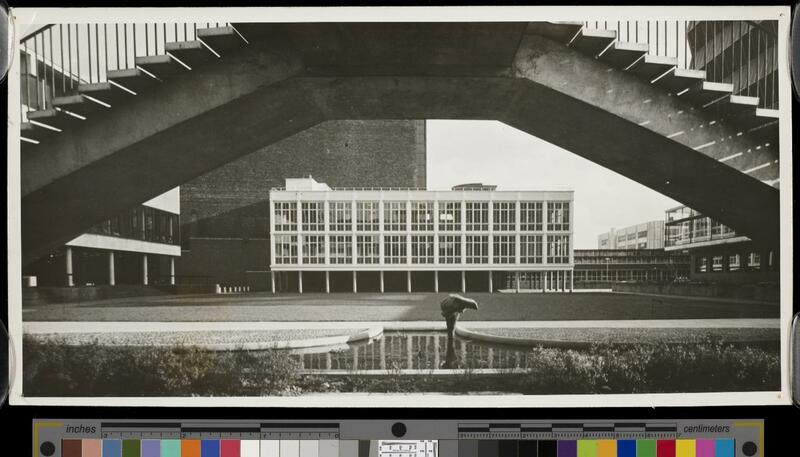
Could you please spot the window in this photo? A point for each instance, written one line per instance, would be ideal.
(734, 262)
(754, 261)
(313, 249)
(394, 249)
(716, 229)
(558, 216)
(394, 216)
(530, 249)
(631, 237)
(313, 216)
(367, 247)
(449, 216)
(477, 216)
(477, 249)
(702, 264)
(700, 228)
(621, 240)
(341, 249)
(505, 248)
(422, 249)
(450, 249)
(422, 216)
(558, 249)
(341, 216)
(716, 264)
(530, 215)
(505, 216)
(285, 216)
(642, 234)
(367, 216)
(285, 249)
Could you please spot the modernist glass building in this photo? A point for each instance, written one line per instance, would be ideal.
(718, 253)
(468, 238)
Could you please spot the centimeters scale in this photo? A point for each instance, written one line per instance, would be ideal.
(384, 438)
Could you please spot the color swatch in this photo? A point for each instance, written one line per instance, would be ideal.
(596, 448)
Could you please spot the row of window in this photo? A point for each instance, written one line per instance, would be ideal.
(629, 275)
(421, 249)
(696, 230)
(142, 223)
(735, 262)
(397, 217)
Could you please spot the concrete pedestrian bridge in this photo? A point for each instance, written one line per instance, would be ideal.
(234, 89)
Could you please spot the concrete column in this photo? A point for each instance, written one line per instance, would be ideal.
(563, 281)
(382, 288)
(68, 265)
(436, 281)
(300, 282)
(516, 281)
(491, 286)
(541, 281)
(546, 280)
(144, 269)
(408, 281)
(272, 280)
(572, 280)
(463, 281)
(172, 271)
(437, 360)
(382, 350)
(112, 279)
(409, 352)
(355, 281)
(327, 282)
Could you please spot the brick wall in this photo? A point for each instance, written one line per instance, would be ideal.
(224, 213)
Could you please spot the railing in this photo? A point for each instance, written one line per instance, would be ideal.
(741, 53)
(57, 58)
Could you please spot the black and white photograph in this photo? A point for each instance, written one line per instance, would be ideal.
(400, 206)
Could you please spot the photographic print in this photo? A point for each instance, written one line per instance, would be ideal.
(400, 206)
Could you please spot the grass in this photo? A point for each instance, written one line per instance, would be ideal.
(52, 369)
(397, 307)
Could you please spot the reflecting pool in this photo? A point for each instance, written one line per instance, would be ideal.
(415, 350)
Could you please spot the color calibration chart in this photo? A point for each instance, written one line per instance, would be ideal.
(408, 438)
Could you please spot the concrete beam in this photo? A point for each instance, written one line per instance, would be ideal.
(263, 94)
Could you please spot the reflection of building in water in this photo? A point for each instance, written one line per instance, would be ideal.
(409, 448)
(415, 351)
(718, 253)
(468, 238)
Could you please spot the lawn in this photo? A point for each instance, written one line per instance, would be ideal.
(396, 307)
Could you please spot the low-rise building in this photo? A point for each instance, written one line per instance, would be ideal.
(718, 254)
(594, 266)
(647, 235)
(138, 246)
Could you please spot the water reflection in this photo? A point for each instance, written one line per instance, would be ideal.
(416, 350)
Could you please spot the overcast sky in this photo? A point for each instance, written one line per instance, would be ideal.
(494, 153)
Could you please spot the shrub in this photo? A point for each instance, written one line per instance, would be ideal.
(702, 366)
(53, 369)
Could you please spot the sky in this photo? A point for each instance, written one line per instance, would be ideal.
(494, 153)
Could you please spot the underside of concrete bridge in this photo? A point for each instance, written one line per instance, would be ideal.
(293, 76)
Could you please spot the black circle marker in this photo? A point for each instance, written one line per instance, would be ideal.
(399, 429)
(749, 448)
(47, 448)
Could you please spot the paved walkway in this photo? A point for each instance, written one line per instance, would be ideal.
(138, 327)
